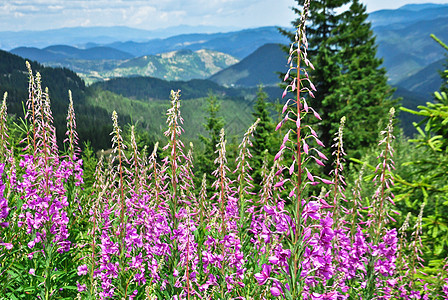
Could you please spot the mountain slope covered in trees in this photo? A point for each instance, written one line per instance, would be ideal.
(260, 67)
(94, 123)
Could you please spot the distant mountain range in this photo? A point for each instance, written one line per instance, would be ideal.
(61, 53)
(238, 58)
(260, 67)
(80, 36)
(181, 57)
(407, 14)
(175, 65)
(410, 49)
(236, 43)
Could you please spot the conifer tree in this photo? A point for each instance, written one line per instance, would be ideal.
(213, 126)
(348, 76)
(323, 47)
(263, 141)
(322, 52)
(360, 91)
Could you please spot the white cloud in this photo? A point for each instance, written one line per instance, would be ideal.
(151, 14)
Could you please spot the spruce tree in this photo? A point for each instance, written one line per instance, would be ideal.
(323, 48)
(347, 75)
(360, 91)
(214, 123)
(322, 34)
(263, 142)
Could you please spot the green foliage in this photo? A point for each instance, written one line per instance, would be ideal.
(265, 141)
(89, 162)
(149, 116)
(213, 126)
(347, 75)
(424, 177)
(360, 91)
(93, 122)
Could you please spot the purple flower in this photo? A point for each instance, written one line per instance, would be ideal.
(4, 209)
(81, 287)
(275, 291)
(326, 296)
(83, 270)
(7, 245)
(263, 276)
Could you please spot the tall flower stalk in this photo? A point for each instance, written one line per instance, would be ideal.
(297, 140)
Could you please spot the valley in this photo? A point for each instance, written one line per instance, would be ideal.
(134, 70)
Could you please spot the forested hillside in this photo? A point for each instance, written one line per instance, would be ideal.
(94, 122)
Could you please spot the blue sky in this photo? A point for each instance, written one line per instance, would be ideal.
(153, 14)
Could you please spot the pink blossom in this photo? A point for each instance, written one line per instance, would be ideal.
(82, 270)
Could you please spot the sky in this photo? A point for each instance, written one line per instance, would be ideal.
(18, 15)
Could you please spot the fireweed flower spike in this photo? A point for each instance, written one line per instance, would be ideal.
(338, 177)
(71, 133)
(175, 157)
(384, 177)
(309, 260)
(383, 241)
(4, 144)
(4, 209)
(43, 186)
(6, 152)
(112, 226)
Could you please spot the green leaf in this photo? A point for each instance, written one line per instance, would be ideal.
(438, 249)
(435, 230)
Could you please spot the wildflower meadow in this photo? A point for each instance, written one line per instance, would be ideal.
(145, 230)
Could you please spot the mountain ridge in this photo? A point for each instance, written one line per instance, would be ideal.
(403, 17)
(58, 53)
(78, 36)
(236, 43)
(259, 67)
(175, 65)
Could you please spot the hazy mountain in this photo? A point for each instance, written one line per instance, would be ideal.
(260, 67)
(237, 43)
(36, 54)
(97, 35)
(426, 81)
(419, 7)
(175, 65)
(409, 49)
(408, 14)
(59, 53)
(71, 36)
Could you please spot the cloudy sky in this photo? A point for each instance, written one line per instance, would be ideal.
(153, 14)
